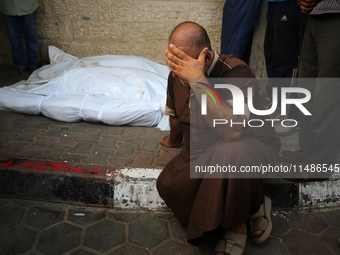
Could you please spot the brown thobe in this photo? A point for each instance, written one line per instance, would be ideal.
(204, 204)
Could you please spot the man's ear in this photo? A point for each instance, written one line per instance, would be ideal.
(208, 58)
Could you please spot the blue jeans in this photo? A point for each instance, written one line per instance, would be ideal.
(16, 26)
(239, 19)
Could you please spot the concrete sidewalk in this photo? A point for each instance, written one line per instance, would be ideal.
(101, 179)
(32, 227)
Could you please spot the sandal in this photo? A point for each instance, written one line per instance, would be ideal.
(231, 243)
(264, 224)
(291, 156)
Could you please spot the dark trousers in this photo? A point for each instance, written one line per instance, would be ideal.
(320, 58)
(239, 19)
(281, 45)
(17, 26)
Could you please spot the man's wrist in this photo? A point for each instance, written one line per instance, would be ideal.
(198, 78)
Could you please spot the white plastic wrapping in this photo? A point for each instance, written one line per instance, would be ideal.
(116, 90)
(18, 101)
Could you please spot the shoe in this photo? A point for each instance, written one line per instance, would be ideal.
(17, 71)
(285, 131)
(227, 243)
(261, 221)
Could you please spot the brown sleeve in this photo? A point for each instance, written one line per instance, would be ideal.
(169, 107)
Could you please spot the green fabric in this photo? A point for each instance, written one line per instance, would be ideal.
(18, 7)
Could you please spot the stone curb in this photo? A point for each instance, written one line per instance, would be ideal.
(56, 182)
(133, 188)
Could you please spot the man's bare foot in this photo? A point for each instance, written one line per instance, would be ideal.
(166, 141)
(257, 232)
(260, 223)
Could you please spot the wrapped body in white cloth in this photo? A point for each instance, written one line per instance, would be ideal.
(113, 89)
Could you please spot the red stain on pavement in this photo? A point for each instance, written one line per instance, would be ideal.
(56, 167)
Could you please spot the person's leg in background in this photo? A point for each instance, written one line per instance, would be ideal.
(293, 112)
(239, 19)
(323, 126)
(31, 40)
(319, 137)
(282, 43)
(13, 28)
(308, 68)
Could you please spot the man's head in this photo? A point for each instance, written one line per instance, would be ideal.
(191, 38)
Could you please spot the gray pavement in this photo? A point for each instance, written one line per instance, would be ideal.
(29, 226)
(33, 227)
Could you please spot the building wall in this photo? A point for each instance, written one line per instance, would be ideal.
(126, 27)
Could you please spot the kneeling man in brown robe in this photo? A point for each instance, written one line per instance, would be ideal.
(206, 204)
